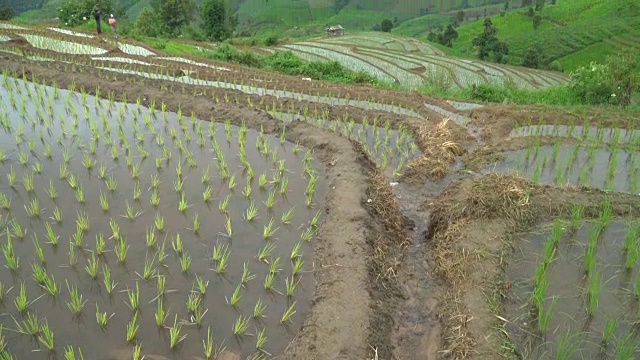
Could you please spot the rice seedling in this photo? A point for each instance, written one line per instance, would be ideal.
(266, 251)
(273, 266)
(76, 303)
(271, 198)
(593, 293)
(185, 262)
(134, 298)
(241, 326)
(176, 244)
(136, 191)
(132, 327)
(38, 248)
(11, 177)
(29, 326)
(235, 297)
(72, 181)
(5, 202)
(269, 279)
(174, 333)
(92, 266)
(111, 183)
(626, 347)
(290, 284)
(63, 172)
(608, 331)
(193, 301)
(46, 335)
(121, 249)
(57, 216)
(160, 314)
(148, 270)
(11, 259)
(195, 223)
(567, 346)
(73, 257)
(207, 193)
(286, 316)
(183, 205)
(222, 206)
(136, 352)
(101, 317)
(268, 231)
(104, 202)
(201, 285)
(158, 222)
(315, 219)
(27, 182)
(296, 266)
(130, 212)
(308, 233)
(261, 339)
(102, 172)
(16, 229)
(211, 350)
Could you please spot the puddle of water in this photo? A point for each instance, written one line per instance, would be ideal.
(363, 104)
(4, 38)
(567, 283)
(592, 133)
(605, 169)
(464, 105)
(61, 46)
(462, 120)
(11, 26)
(390, 149)
(121, 59)
(75, 121)
(191, 62)
(69, 32)
(131, 49)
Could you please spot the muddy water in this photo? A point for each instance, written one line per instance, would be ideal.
(464, 105)
(592, 133)
(247, 239)
(586, 166)
(391, 149)
(462, 120)
(247, 89)
(567, 283)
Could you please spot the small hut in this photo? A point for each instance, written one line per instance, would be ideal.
(335, 30)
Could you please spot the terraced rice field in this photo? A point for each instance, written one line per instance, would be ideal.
(178, 208)
(411, 63)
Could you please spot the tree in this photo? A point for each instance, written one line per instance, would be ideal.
(6, 13)
(506, 5)
(215, 23)
(448, 36)
(530, 13)
(460, 16)
(536, 22)
(534, 57)
(526, 3)
(488, 43)
(172, 15)
(147, 23)
(386, 25)
(539, 5)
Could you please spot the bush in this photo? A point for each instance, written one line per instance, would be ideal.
(608, 83)
(147, 23)
(74, 13)
(226, 52)
(6, 13)
(386, 25)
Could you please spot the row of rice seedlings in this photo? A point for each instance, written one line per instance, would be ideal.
(561, 170)
(254, 88)
(600, 135)
(82, 223)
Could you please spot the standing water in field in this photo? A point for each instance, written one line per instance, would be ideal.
(575, 290)
(128, 225)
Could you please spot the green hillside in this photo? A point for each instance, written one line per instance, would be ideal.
(573, 33)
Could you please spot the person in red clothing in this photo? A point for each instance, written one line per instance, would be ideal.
(112, 23)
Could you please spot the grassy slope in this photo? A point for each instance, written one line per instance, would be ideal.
(573, 33)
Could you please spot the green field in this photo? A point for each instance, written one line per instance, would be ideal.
(574, 32)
